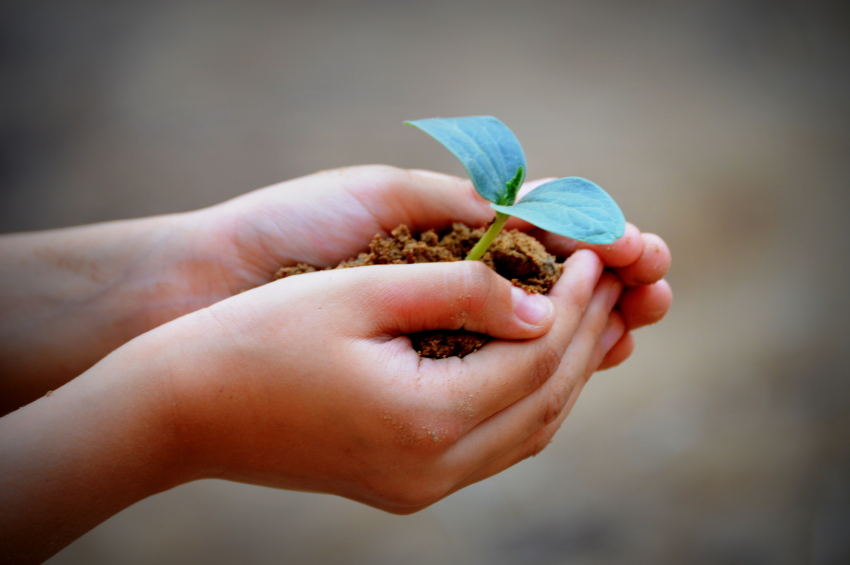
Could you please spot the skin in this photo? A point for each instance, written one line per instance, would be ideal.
(163, 372)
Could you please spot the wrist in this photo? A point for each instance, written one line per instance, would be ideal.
(195, 401)
(69, 297)
(91, 448)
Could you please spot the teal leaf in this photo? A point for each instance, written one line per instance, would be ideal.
(572, 207)
(487, 149)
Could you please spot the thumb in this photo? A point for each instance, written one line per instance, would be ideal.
(402, 299)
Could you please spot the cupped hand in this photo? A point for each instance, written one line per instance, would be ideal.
(329, 216)
(310, 382)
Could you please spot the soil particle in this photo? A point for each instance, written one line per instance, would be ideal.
(515, 255)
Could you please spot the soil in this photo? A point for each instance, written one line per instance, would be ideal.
(515, 255)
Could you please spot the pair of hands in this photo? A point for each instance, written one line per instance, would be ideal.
(338, 400)
(306, 383)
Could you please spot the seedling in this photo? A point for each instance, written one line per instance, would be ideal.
(490, 152)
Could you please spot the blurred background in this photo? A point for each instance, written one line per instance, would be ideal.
(722, 126)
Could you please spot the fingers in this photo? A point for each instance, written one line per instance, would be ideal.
(637, 307)
(622, 252)
(606, 347)
(329, 216)
(619, 353)
(614, 331)
(465, 392)
(513, 425)
(644, 305)
(404, 299)
(489, 380)
(529, 447)
(651, 266)
(421, 199)
(380, 303)
(520, 368)
(638, 258)
(625, 251)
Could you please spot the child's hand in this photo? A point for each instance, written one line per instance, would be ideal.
(329, 216)
(309, 383)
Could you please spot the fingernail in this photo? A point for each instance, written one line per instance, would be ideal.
(530, 308)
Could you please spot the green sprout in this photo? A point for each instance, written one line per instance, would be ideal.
(573, 207)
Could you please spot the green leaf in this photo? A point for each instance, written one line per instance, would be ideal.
(572, 207)
(488, 150)
(513, 186)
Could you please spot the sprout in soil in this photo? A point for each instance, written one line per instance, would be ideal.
(572, 206)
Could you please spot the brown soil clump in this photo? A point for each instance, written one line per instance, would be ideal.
(515, 255)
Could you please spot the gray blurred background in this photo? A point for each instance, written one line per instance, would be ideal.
(722, 126)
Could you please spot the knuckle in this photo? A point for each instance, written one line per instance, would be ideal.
(442, 423)
(439, 435)
(546, 361)
(477, 281)
(430, 431)
(473, 288)
(576, 303)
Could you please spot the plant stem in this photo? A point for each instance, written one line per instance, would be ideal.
(487, 239)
